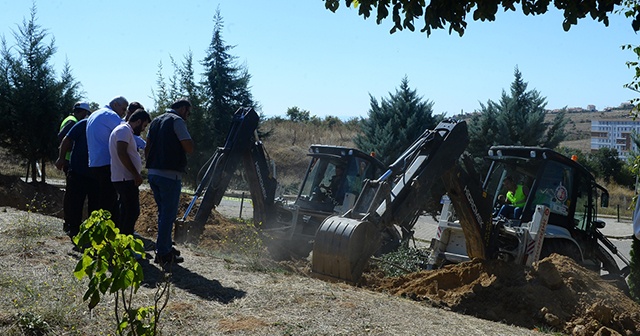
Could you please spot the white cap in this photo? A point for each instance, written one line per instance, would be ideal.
(82, 105)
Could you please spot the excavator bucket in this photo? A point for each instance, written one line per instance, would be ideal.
(342, 247)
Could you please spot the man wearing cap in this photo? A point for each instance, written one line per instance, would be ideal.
(80, 111)
(81, 184)
(100, 124)
(168, 141)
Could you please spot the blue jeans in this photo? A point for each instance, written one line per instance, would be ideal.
(510, 211)
(166, 192)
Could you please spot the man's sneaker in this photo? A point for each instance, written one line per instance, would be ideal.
(175, 251)
(169, 258)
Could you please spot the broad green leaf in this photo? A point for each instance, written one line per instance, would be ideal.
(122, 326)
(95, 299)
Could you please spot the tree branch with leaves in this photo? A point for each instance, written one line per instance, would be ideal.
(438, 14)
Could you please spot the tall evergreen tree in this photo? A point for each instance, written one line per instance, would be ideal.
(395, 123)
(32, 100)
(200, 124)
(221, 90)
(161, 97)
(226, 84)
(517, 119)
(484, 131)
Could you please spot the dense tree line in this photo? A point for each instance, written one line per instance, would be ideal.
(517, 119)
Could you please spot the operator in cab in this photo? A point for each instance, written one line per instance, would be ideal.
(514, 200)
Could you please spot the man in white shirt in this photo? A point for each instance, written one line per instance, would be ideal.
(126, 165)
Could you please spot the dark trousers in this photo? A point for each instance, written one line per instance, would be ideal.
(79, 187)
(129, 200)
(108, 197)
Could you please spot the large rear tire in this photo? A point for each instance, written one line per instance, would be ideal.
(608, 263)
(561, 246)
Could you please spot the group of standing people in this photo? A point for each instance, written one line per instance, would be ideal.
(101, 158)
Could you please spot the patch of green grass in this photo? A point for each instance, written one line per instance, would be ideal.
(29, 230)
(46, 299)
(32, 324)
(545, 329)
(402, 261)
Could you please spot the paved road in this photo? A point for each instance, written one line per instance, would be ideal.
(426, 227)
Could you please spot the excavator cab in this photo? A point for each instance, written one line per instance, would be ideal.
(335, 177)
(550, 179)
(567, 189)
(549, 183)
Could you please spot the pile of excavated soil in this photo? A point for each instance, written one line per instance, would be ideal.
(555, 293)
(217, 231)
(34, 196)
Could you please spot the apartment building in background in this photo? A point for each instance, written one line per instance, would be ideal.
(614, 133)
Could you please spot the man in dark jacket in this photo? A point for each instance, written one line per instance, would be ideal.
(81, 184)
(168, 141)
(80, 111)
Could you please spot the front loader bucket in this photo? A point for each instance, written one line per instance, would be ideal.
(342, 248)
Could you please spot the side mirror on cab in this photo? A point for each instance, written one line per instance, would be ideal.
(599, 224)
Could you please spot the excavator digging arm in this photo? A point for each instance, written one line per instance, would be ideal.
(472, 208)
(242, 146)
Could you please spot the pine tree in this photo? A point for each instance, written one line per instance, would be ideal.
(226, 84)
(517, 119)
(394, 123)
(161, 97)
(484, 131)
(221, 90)
(32, 100)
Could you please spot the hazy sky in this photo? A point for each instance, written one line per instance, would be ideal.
(300, 54)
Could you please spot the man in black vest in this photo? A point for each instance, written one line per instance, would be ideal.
(168, 141)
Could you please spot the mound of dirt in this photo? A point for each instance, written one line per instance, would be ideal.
(555, 293)
(217, 228)
(34, 196)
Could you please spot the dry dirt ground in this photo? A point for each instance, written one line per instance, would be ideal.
(227, 286)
